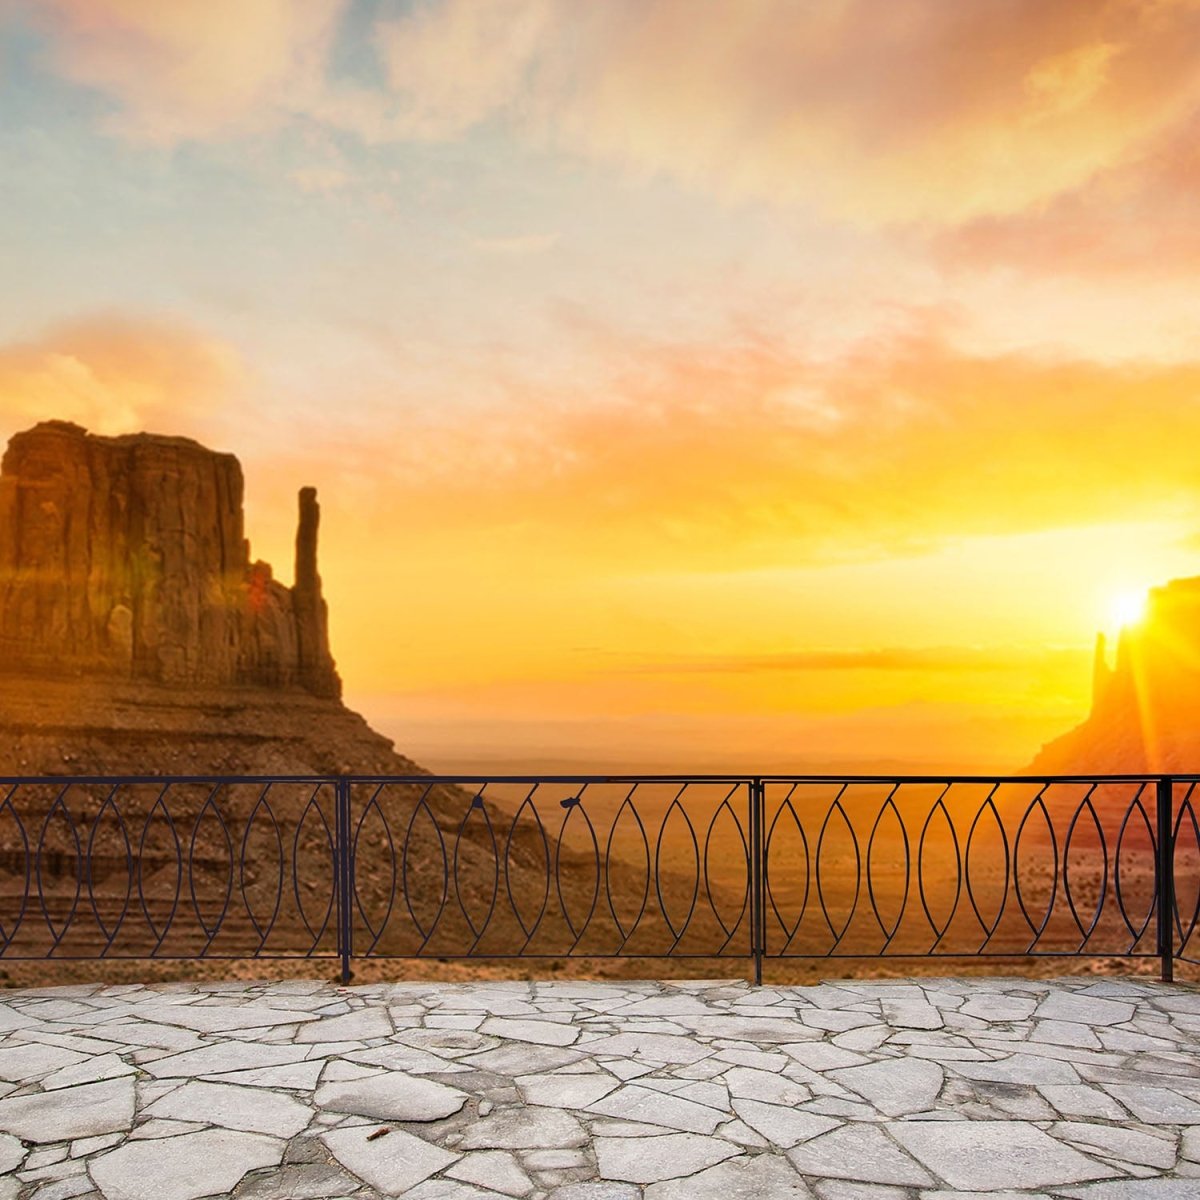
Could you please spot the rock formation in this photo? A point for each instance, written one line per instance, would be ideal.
(1145, 708)
(125, 558)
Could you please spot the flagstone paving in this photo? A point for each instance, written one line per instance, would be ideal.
(876, 1090)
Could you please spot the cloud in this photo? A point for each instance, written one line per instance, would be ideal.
(180, 71)
(117, 375)
(754, 455)
(1137, 219)
(921, 110)
(455, 64)
(913, 111)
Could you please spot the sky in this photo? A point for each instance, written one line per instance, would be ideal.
(692, 386)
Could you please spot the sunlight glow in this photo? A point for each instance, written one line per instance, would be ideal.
(1127, 608)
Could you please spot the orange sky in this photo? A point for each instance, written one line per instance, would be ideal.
(780, 385)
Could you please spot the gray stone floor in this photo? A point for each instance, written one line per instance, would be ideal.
(602, 1091)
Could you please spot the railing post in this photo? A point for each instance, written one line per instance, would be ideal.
(344, 869)
(1165, 874)
(758, 925)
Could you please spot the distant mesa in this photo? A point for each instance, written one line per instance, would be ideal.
(137, 635)
(1145, 714)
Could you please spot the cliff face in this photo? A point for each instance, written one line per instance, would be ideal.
(126, 558)
(1145, 712)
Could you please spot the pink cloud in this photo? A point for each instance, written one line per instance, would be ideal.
(1135, 220)
(120, 375)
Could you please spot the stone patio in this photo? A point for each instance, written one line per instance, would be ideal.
(933, 1088)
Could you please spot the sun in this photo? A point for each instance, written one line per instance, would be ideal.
(1127, 608)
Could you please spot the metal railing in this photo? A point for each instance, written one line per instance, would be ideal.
(755, 868)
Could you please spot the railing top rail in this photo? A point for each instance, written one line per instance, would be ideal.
(429, 778)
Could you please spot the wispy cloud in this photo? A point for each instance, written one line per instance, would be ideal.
(1132, 221)
(184, 71)
(455, 64)
(912, 111)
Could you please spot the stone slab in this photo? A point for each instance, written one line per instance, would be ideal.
(984, 1156)
(391, 1164)
(68, 1113)
(184, 1167)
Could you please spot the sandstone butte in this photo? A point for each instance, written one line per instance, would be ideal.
(137, 634)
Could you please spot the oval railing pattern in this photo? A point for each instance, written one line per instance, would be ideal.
(563, 867)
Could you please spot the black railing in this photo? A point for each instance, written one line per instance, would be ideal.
(765, 867)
